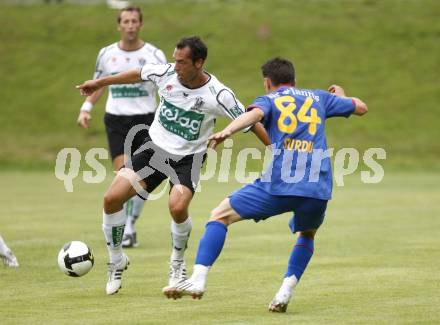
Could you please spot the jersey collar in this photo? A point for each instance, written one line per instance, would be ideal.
(202, 85)
(283, 87)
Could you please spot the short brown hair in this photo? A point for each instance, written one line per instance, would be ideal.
(279, 71)
(196, 45)
(131, 9)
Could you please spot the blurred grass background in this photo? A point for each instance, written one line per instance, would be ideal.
(385, 52)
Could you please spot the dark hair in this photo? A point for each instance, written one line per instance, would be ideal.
(131, 9)
(198, 48)
(279, 71)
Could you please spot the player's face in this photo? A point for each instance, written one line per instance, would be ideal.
(185, 68)
(130, 25)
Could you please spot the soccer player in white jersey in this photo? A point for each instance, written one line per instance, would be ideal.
(127, 105)
(191, 100)
(6, 255)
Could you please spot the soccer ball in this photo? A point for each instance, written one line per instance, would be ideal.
(75, 259)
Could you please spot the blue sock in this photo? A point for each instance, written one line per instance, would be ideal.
(211, 244)
(300, 257)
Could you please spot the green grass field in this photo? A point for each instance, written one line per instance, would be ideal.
(376, 259)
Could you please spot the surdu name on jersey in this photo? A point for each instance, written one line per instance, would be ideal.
(185, 118)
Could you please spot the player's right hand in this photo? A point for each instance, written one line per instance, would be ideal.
(217, 138)
(83, 119)
(88, 87)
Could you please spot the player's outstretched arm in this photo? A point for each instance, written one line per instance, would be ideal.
(361, 107)
(127, 77)
(247, 119)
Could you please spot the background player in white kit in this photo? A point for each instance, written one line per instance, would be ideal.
(191, 100)
(127, 105)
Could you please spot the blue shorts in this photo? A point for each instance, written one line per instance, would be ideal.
(252, 202)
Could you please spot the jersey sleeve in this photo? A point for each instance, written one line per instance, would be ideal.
(160, 56)
(100, 66)
(336, 105)
(154, 72)
(230, 106)
(263, 103)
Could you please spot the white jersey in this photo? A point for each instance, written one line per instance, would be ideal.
(128, 99)
(185, 117)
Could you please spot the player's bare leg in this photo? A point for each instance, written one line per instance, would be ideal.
(121, 190)
(299, 258)
(114, 219)
(212, 240)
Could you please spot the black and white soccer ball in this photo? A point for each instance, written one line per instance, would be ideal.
(75, 259)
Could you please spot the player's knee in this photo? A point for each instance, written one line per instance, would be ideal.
(218, 215)
(224, 220)
(111, 201)
(178, 209)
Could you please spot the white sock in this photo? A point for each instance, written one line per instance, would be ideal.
(180, 235)
(199, 275)
(113, 227)
(138, 204)
(133, 208)
(289, 283)
(129, 226)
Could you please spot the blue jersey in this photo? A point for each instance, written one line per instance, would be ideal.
(295, 121)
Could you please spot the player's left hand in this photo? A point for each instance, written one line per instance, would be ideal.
(217, 138)
(88, 87)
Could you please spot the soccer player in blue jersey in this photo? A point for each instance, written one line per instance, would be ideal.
(299, 179)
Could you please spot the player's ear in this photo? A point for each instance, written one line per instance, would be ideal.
(267, 84)
(199, 63)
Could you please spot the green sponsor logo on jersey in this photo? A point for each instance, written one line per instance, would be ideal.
(185, 124)
(236, 111)
(128, 91)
